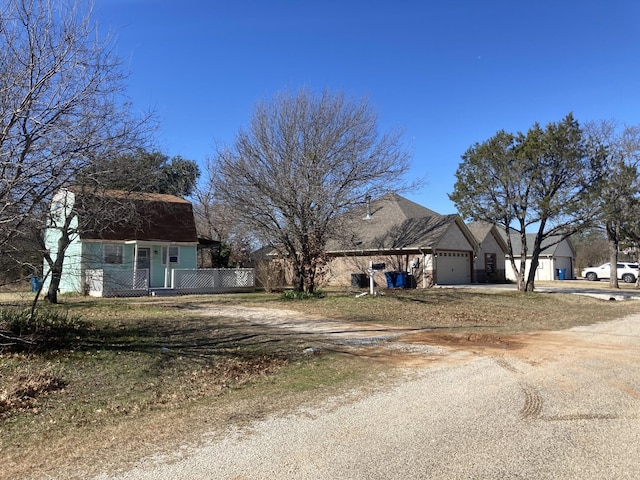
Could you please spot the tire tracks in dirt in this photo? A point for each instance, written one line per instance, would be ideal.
(546, 361)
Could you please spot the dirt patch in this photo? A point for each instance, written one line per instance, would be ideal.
(421, 349)
(466, 341)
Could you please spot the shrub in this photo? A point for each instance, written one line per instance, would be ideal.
(23, 322)
(21, 327)
(294, 295)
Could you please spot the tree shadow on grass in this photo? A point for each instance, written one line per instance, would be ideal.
(195, 337)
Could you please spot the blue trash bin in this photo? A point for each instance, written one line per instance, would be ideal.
(391, 279)
(401, 279)
(36, 284)
(560, 272)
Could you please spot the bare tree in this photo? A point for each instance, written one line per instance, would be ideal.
(217, 221)
(302, 162)
(620, 188)
(62, 106)
(591, 248)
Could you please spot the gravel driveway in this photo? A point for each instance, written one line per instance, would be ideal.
(562, 405)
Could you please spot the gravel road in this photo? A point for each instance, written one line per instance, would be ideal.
(563, 405)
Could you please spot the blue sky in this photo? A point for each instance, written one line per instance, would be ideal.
(449, 73)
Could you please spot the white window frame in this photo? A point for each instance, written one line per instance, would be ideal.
(174, 253)
(113, 257)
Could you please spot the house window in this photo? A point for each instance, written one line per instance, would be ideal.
(113, 254)
(174, 254)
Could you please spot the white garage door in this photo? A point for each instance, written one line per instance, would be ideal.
(453, 268)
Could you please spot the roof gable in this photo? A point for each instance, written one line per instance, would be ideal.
(482, 230)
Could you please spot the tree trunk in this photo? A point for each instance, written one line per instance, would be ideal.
(613, 234)
(54, 285)
(56, 274)
(522, 284)
(298, 277)
(637, 248)
(55, 266)
(531, 277)
(311, 278)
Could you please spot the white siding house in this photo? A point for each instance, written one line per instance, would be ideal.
(556, 261)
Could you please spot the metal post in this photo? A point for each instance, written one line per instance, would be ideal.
(371, 277)
(166, 271)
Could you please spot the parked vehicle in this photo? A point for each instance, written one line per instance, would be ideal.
(627, 272)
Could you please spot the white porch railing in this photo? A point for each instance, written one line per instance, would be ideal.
(213, 280)
(115, 283)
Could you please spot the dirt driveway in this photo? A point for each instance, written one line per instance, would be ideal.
(560, 405)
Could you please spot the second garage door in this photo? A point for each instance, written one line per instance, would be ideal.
(453, 268)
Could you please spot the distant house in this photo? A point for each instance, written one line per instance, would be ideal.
(491, 254)
(407, 238)
(135, 244)
(556, 261)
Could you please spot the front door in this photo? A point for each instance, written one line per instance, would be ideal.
(144, 262)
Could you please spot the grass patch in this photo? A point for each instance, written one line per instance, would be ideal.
(126, 375)
(504, 311)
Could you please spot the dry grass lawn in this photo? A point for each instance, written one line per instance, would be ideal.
(129, 377)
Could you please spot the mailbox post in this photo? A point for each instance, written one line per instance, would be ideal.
(374, 267)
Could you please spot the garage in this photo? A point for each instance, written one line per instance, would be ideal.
(453, 268)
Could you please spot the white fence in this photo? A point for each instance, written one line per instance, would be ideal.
(114, 283)
(213, 280)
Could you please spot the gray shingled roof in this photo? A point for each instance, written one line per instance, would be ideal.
(481, 230)
(393, 223)
(549, 244)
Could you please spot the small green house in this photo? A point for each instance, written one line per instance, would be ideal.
(126, 244)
